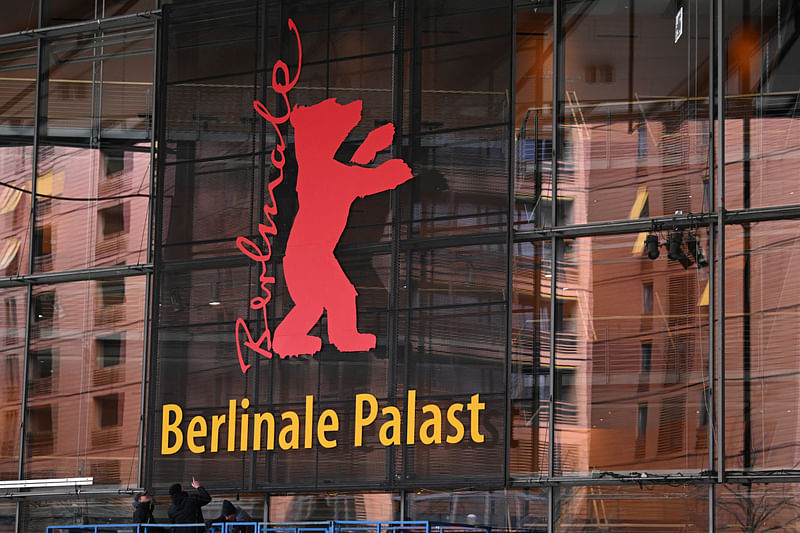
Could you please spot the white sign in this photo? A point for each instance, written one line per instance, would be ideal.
(679, 24)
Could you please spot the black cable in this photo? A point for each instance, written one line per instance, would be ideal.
(74, 199)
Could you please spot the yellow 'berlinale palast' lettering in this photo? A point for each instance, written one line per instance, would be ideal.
(387, 425)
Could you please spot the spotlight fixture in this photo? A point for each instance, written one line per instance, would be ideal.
(651, 245)
(696, 250)
(674, 246)
(674, 243)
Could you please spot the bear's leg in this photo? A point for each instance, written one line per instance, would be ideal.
(342, 320)
(291, 336)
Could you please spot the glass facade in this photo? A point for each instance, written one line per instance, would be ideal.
(574, 313)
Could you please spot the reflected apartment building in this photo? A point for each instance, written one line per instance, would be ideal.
(570, 249)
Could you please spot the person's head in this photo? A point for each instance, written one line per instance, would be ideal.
(143, 497)
(175, 489)
(228, 510)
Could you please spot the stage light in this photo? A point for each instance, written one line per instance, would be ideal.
(696, 250)
(651, 245)
(674, 243)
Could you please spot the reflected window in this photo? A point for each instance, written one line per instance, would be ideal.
(41, 364)
(12, 375)
(112, 292)
(10, 432)
(545, 210)
(312, 507)
(641, 147)
(44, 305)
(11, 369)
(111, 221)
(44, 207)
(113, 162)
(565, 397)
(646, 361)
(40, 430)
(671, 425)
(11, 319)
(109, 350)
(647, 299)
(640, 447)
(42, 241)
(705, 402)
(107, 411)
(647, 356)
(641, 421)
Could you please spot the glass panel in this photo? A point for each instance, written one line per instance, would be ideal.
(635, 137)
(84, 381)
(16, 162)
(533, 175)
(461, 184)
(65, 11)
(631, 373)
(453, 96)
(454, 349)
(455, 276)
(91, 207)
(220, 42)
(761, 346)
(656, 508)
(198, 373)
(762, 104)
(12, 348)
(38, 515)
(93, 193)
(337, 30)
(109, 76)
(17, 85)
(207, 205)
(528, 446)
(374, 506)
(214, 118)
(8, 516)
(20, 16)
(462, 20)
(453, 358)
(126, 89)
(510, 510)
(757, 507)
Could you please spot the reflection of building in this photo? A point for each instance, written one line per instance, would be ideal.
(513, 266)
(101, 319)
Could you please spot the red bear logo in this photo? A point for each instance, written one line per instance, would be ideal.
(326, 188)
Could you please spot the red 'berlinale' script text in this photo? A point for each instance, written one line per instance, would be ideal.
(263, 344)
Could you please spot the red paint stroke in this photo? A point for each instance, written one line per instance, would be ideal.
(282, 86)
(326, 189)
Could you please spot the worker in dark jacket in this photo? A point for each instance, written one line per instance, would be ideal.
(233, 513)
(186, 508)
(143, 508)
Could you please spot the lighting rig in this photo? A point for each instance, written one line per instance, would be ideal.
(682, 247)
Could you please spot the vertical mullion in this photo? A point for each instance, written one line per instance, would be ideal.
(42, 74)
(148, 297)
(392, 315)
(720, 296)
(509, 299)
(160, 129)
(558, 87)
(713, 412)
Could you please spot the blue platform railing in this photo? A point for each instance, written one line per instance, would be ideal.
(329, 526)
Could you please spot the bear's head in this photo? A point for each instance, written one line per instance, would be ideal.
(320, 129)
